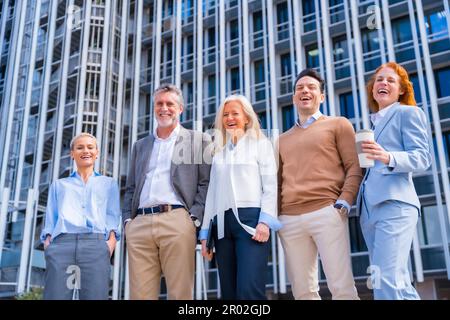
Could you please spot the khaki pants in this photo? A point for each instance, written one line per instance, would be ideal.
(161, 243)
(325, 232)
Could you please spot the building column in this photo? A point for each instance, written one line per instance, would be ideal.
(198, 123)
(53, 7)
(379, 27)
(12, 83)
(119, 253)
(222, 54)
(63, 90)
(5, 193)
(103, 103)
(328, 58)
(351, 57)
(4, 110)
(137, 63)
(26, 242)
(83, 64)
(359, 65)
(245, 43)
(388, 30)
(272, 70)
(178, 40)
(27, 105)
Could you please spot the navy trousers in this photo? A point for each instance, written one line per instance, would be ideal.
(242, 262)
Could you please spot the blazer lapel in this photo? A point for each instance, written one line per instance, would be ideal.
(380, 127)
(145, 160)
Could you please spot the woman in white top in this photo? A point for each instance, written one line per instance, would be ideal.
(241, 200)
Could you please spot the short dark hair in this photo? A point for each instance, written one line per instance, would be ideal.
(309, 72)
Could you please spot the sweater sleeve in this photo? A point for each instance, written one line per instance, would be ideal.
(345, 140)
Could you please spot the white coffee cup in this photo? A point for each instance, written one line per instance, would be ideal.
(363, 135)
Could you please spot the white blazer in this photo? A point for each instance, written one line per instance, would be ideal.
(242, 175)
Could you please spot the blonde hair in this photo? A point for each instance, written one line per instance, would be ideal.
(253, 122)
(83, 134)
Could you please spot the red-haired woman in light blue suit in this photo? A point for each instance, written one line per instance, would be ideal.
(387, 202)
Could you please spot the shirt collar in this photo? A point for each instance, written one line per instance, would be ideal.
(310, 120)
(172, 135)
(376, 117)
(75, 174)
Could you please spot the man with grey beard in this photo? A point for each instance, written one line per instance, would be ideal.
(164, 201)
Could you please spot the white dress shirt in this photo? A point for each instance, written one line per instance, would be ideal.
(243, 175)
(158, 188)
(376, 118)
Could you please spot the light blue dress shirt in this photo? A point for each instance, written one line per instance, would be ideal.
(77, 207)
(305, 125)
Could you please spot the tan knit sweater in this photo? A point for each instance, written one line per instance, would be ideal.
(318, 165)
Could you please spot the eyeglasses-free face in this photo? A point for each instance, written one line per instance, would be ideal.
(386, 89)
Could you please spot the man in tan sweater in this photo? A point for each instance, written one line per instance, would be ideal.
(319, 178)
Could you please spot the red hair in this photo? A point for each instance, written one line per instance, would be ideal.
(407, 98)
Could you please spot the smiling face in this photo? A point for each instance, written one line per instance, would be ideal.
(307, 97)
(84, 152)
(386, 89)
(234, 117)
(167, 109)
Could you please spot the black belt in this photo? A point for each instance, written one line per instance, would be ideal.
(159, 209)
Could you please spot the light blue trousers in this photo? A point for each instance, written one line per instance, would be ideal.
(388, 229)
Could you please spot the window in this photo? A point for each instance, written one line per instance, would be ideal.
(312, 56)
(429, 226)
(402, 36)
(437, 33)
(285, 82)
(346, 104)
(257, 30)
(340, 53)
(234, 38)
(371, 49)
(259, 90)
(416, 87)
(235, 83)
(167, 8)
(309, 18)
(211, 94)
(263, 119)
(442, 77)
(336, 11)
(288, 117)
(282, 21)
(446, 138)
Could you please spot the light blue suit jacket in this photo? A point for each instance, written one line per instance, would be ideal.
(403, 133)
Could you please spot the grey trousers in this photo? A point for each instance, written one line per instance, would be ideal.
(77, 261)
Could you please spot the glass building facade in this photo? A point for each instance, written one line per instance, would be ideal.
(68, 66)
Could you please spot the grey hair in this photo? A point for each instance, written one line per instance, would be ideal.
(167, 87)
(83, 134)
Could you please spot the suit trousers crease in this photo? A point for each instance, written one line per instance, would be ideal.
(324, 232)
(161, 244)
